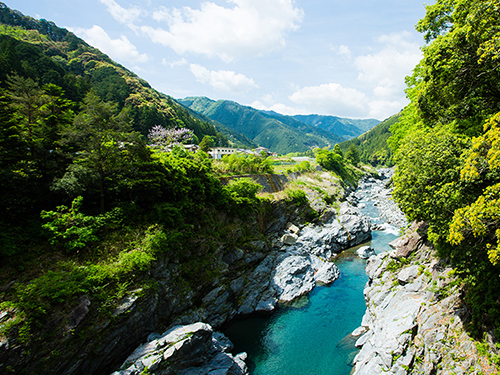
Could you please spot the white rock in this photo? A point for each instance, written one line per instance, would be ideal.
(365, 252)
(289, 239)
(408, 274)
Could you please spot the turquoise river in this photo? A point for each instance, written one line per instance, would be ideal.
(312, 337)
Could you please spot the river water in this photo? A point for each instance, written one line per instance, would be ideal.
(312, 337)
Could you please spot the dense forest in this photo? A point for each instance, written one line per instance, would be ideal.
(90, 199)
(446, 147)
(372, 145)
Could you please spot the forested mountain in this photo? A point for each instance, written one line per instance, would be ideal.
(40, 50)
(345, 127)
(372, 145)
(282, 134)
(447, 148)
(93, 206)
(235, 139)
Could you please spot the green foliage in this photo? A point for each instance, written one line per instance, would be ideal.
(454, 84)
(373, 145)
(206, 143)
(444, 175)
(330, 161)
(338, 150)
(481, 219)
(426, 179)
(243, 188)
(71, 229)
(297, 196)
(244, 164)
(352, 155)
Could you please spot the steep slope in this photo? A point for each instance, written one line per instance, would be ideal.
(345, 127)
(372, 145)
(40, 50)
(235, 139)
(278, 133)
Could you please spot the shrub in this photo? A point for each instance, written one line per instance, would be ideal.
(72, 229)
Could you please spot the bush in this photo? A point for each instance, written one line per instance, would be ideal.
(245, 164)
(73, 230)
(243, 188)
(298, 196)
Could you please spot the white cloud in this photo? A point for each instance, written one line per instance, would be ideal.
(249, 27)
(382, 109)
(342, 51)
(332, 99)
(173, 64)
(123, 15)
(387, 69)
(120, 49)
(223, 80)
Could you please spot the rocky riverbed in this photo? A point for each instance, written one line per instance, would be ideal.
(301, 257)
(415, 320)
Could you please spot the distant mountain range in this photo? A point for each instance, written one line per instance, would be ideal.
(279, 133)
(345, 127)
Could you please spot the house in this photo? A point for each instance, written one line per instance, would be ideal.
(219, 152)
(259, 150)
(192, 148)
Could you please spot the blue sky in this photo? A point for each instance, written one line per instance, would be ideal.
(332, 57)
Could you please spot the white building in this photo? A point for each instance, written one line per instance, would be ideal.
(219, 152)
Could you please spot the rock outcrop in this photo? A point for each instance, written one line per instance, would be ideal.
(414, 322)
(188, 350)
(300, 259)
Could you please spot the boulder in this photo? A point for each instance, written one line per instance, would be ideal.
(408, 274)
(78, 314)
(294, 277)
(289, 239)
(297, 275)
(190, 350)
(292, 228)
(365, 252)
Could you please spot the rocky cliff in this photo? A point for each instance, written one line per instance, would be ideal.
(247, 275)
(300, 258)
(415, 319)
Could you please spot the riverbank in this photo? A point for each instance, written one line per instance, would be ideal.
(299, 258)
(415, 322)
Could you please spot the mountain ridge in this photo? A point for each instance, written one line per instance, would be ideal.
(280, 133)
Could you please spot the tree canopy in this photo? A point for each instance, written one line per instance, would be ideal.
(446, 145)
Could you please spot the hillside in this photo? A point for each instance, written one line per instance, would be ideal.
(278, 133)
(345, 127)
(372, 145)
(40, 50)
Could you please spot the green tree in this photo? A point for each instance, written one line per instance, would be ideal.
(206, 143)
(458, 79)
(330, 161)
(481, 219)
(426, 179)
(338, 150)
(352, 154)
(27, 99)
(105, 140)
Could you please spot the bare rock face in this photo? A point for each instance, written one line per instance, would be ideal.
(411, 241)
(414, 321)
(189, 350)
